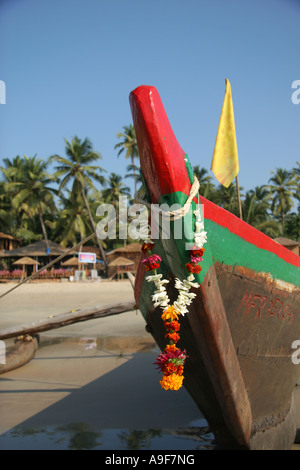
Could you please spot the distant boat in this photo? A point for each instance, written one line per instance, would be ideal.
(241, 327)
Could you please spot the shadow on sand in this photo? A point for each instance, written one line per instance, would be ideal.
(122, 409)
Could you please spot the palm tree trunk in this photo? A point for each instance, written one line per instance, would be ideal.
(239, 197)
(94, 227)
(134, 175)
(283, 223)
(44, 229)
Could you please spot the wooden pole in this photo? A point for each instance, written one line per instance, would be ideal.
(131, 279)
(67, 319)
(239, 197)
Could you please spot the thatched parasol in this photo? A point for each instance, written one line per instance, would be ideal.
(26, 261)
(71, 262)
(121, 261)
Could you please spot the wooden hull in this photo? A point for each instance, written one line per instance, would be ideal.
(20, 354)
(240, 329)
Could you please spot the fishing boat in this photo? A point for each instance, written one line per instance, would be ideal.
(240, 329)
(20, 352)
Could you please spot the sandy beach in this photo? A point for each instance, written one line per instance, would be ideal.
(94, 379)
(98, 374)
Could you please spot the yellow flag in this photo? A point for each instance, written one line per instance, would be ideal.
(225, 162)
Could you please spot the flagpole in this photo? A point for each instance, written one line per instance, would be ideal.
(239, 197)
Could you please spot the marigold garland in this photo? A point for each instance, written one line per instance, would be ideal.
(171, 382)
(171, 361)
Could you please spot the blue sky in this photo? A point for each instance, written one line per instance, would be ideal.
(70, 65)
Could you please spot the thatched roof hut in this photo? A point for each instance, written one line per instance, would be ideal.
(119, 266)
(289, 244)
(36, 249)
(8, 242)
(130, 252)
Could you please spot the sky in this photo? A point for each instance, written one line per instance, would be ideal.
(68, 67)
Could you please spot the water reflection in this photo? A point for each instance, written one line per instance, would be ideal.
(80, 436)
(121, 344)
(138, 439)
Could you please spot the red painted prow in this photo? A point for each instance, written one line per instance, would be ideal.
(162, 158)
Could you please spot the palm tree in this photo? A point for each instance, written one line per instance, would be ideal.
(282, 190)
(227, 198)
(129, 145)
(115, 188)
(28, 184)
(72, 224)
(16, 223)
(255, 212)
(111, 195)
(135, 173)
(297, 171)
(13, 169)
(206, 185)
(9, 217)
(293, 225)
(78, 169)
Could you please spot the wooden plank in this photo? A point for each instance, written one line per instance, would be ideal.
(211, 330)
(67, 319)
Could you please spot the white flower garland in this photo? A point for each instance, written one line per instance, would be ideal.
(160, 297)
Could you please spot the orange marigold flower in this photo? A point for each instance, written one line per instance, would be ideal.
(172, 325)
(170, 313)
(171, 382)
(151, 266)
(169, 368)
(171, 348)
(173, 336)
(146, 247)
(198, 252)
(193, 268)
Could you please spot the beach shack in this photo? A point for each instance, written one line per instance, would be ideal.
(8, 242)
(120, 266)
(131, 252)
(291, 245)
(41, 252)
